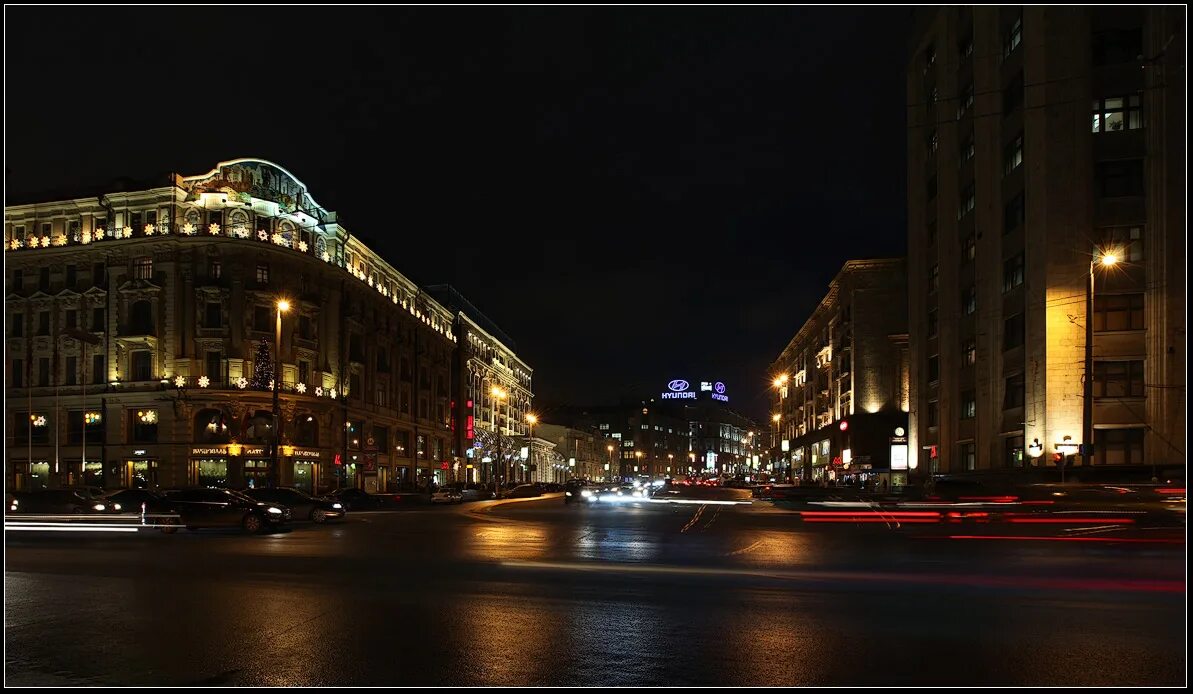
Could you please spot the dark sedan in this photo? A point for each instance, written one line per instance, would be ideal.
(223, 508)
(301, 504)
(524, 491)
(71, 501)
(355, 499)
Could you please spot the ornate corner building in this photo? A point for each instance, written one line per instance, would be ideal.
(141, 347)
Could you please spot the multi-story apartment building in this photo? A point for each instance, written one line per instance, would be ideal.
(492, 396)
(141, 341)
(1043, 140)
(841, 382)
(580, 453)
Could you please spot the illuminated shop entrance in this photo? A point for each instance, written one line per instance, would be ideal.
(306, 475)
(209, 472)
(256, 472)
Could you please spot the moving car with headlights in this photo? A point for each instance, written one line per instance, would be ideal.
(623, 493)
(61, 501)
(578, 491)
(224, 508)
(301, 504)
(447, 495)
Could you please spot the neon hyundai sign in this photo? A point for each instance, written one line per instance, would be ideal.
(680, 389)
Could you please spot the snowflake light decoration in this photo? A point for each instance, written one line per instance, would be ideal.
(39, 420)
(242, 232)
(214, 229)
(262, 235)
(318, 391)
(179, 381)
(86, 238)
(60, 240)
(300, 387)
(204, 381)
(127, 232)
(326, 257)
(98, 233)
(271, 384)
(242, 383)
(45, 242)
(150, 229)
(14, 244)
(302, 246)
(188, 229)
(332, 393)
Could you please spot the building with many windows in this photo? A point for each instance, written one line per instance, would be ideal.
(841, 382)
(1043, 145)
(141, 342)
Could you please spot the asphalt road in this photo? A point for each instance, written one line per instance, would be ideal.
(535, 593)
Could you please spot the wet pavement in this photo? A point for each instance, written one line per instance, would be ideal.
(538, 593)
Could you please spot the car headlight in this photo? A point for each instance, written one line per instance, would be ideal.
(337, 505)
(99, 507)
(584, 492)
(116, 507)
(567, 493)
(274, 509)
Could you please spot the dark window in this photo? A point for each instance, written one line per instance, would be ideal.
(354, 386)
(929, 58)
(43, 279)
(261, 318)
(422, 408)
(402, 443)
(1126, 242)
(381, 438)
(135, 222)
(304, 371)
(404, 401)
(1012, 332)
(931, 188)
(1118, 379)
(1117, 113)
(1013, 214)
(143, 268)
(141, 365)
(970, 247)
(72, 275)
(965, 47)
(969, 352)
(43, 371)
(355, 351)
(967, 149)
(967, 201)
(215, 217)
(262, 274)
(1011, 40)
(99, 371)
(934, 277)
(1120, 178)
(17, 379)
(933, 413)
(1118, 47)
(1118, 446)
(72, 371)
(969, 456)
(97, 320)
(382, 360)
(72, 319)
(424, 378)
(1013, 395)
(98, 275)
(969, 300)
(965, 100)
(43, 323)
(213, 316)
(1013, 450)
(214, 369)
(304, 327)
(141, 317)
(933, 141)
(931, 232)
(1012, 154)
(407, 373)
(933, 322)
(144, 424)
(215, 269)
(1012, 272)
(1118, 312)
(933, 368)
(18, 280)
(1012, 95)
(969, 404)
(17, 325)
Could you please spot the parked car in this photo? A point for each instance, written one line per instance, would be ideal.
(224, 508)
(355, 499)
(70, 501)
(301, 504)
(474, 491)
(446, 495)
(524, 491)
(159, 511)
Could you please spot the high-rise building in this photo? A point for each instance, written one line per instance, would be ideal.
(1045, 146)
(840, 384)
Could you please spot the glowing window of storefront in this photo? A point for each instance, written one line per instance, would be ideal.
(142, 474)
(39, 474)
(256, 472)
(210, 472)
(304, 475)
(93, 473)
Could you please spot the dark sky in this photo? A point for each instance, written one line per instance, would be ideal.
(634, 195)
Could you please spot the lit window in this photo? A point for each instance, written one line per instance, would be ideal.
(1114, 114)
(1012, 39)
(1013, 154)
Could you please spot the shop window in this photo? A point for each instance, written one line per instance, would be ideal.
(1119, 446)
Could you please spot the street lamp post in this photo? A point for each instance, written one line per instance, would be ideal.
(531, 419)
(638, 455)
(1107, 259)
(498, 395)
(275, 471)
(610, 449)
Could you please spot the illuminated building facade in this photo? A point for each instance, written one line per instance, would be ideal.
(141, 328)
(841, 388)
(1043, 141)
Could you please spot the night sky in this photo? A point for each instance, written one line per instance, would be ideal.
(633, 195)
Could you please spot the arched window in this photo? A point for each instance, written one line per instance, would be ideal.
(320, 246)
(194, 218)
(140, 317)
(239, 220)
(286, 229)
(259, 428)
(211, 426)
(306, 430)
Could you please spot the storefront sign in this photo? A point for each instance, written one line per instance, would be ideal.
(302, 453)
(139, 451)
(216, 450)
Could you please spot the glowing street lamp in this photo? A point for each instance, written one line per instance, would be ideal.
(1106, 259)
(282, 307)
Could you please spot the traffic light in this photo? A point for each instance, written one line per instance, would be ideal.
(1057, 458)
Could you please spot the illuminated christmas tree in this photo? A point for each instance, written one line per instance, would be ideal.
(262, 368)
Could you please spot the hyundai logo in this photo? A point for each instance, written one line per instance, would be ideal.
(719, 387)
(678, 385)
